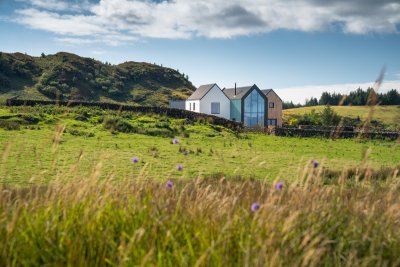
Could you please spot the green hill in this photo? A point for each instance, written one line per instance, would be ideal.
(67, 76)
(389, 115)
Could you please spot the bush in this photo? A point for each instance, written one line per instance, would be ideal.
(118, 125)
(10, 125)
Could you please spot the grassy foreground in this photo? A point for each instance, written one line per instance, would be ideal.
(201, 222)
(387, 114)
(70, 194)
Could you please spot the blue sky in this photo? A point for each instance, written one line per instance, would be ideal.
(298, 47)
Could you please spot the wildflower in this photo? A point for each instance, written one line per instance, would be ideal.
(135, 160)
(279, 186)
(179, 167)
(175, 141)
(255, 206)
(315, 164)
(169, 184)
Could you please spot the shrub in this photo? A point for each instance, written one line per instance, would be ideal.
(10, 125)
(119, 125)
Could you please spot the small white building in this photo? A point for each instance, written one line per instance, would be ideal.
(209, 99)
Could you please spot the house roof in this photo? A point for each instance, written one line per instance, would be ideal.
(240, 92)
(201, 91)
(267, 91)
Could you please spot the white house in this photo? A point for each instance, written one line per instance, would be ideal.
(209, 99)
(248, 104)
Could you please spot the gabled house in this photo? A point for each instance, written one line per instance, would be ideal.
(248, 105)
(209, 99)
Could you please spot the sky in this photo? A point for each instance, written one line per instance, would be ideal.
(300, 48)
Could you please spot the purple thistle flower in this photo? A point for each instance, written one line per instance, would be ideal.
(255, 206)
(179, 167)
(279, 185)
(175, 141)
(315, 163)
(169, 184)
(135, 160)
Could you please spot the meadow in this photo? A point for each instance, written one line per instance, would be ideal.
(204, 150)
(389, 115)
(87, 187)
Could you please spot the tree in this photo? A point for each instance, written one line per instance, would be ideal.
(42, 55)
(329, 117)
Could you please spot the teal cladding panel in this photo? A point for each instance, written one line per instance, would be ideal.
(236, 110)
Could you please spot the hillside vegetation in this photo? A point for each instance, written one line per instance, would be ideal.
(389, 115)
(67, 76)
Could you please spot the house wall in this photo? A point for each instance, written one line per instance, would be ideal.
(236, 110)
(178, 104)
(190, 103)
(276, 112)
(216, 95)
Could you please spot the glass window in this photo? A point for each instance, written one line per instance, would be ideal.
(215, 108)
(272, 122)
(254, 110)
(271, 104)
(194, 106)
(190, 105)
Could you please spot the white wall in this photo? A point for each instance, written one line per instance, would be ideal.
(216, 95)
(190, 103)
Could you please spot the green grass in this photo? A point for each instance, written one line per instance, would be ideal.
(70, 195)
(32, 154)
(386, 114)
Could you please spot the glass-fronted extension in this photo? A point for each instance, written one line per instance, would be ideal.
(254, 110)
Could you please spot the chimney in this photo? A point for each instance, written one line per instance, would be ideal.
(235, 88)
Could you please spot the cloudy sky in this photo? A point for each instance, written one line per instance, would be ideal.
(298, 47)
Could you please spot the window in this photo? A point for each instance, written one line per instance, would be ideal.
(272, 122)
(271, 104)
(190, 105)
(194, 106)
(254, 110)
(215, 108)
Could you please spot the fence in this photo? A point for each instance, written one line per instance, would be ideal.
(170, 112)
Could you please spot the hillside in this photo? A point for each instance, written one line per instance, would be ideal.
(67, 76)
(389, 115)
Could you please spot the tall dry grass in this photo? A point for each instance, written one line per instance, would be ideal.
(202, 222)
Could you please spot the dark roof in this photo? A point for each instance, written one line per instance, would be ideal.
(201, 91)
(240, 92)
(267, 91)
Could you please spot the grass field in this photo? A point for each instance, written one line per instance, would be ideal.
(70, 194)
(386, 114)
(33, 156)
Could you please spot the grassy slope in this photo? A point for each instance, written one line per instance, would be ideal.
(69, 76)
(385, 114)
(32, 155)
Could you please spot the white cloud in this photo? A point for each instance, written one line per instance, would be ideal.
(300, 93)
(182, 19)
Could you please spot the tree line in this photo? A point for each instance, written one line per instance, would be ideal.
(358, 97)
